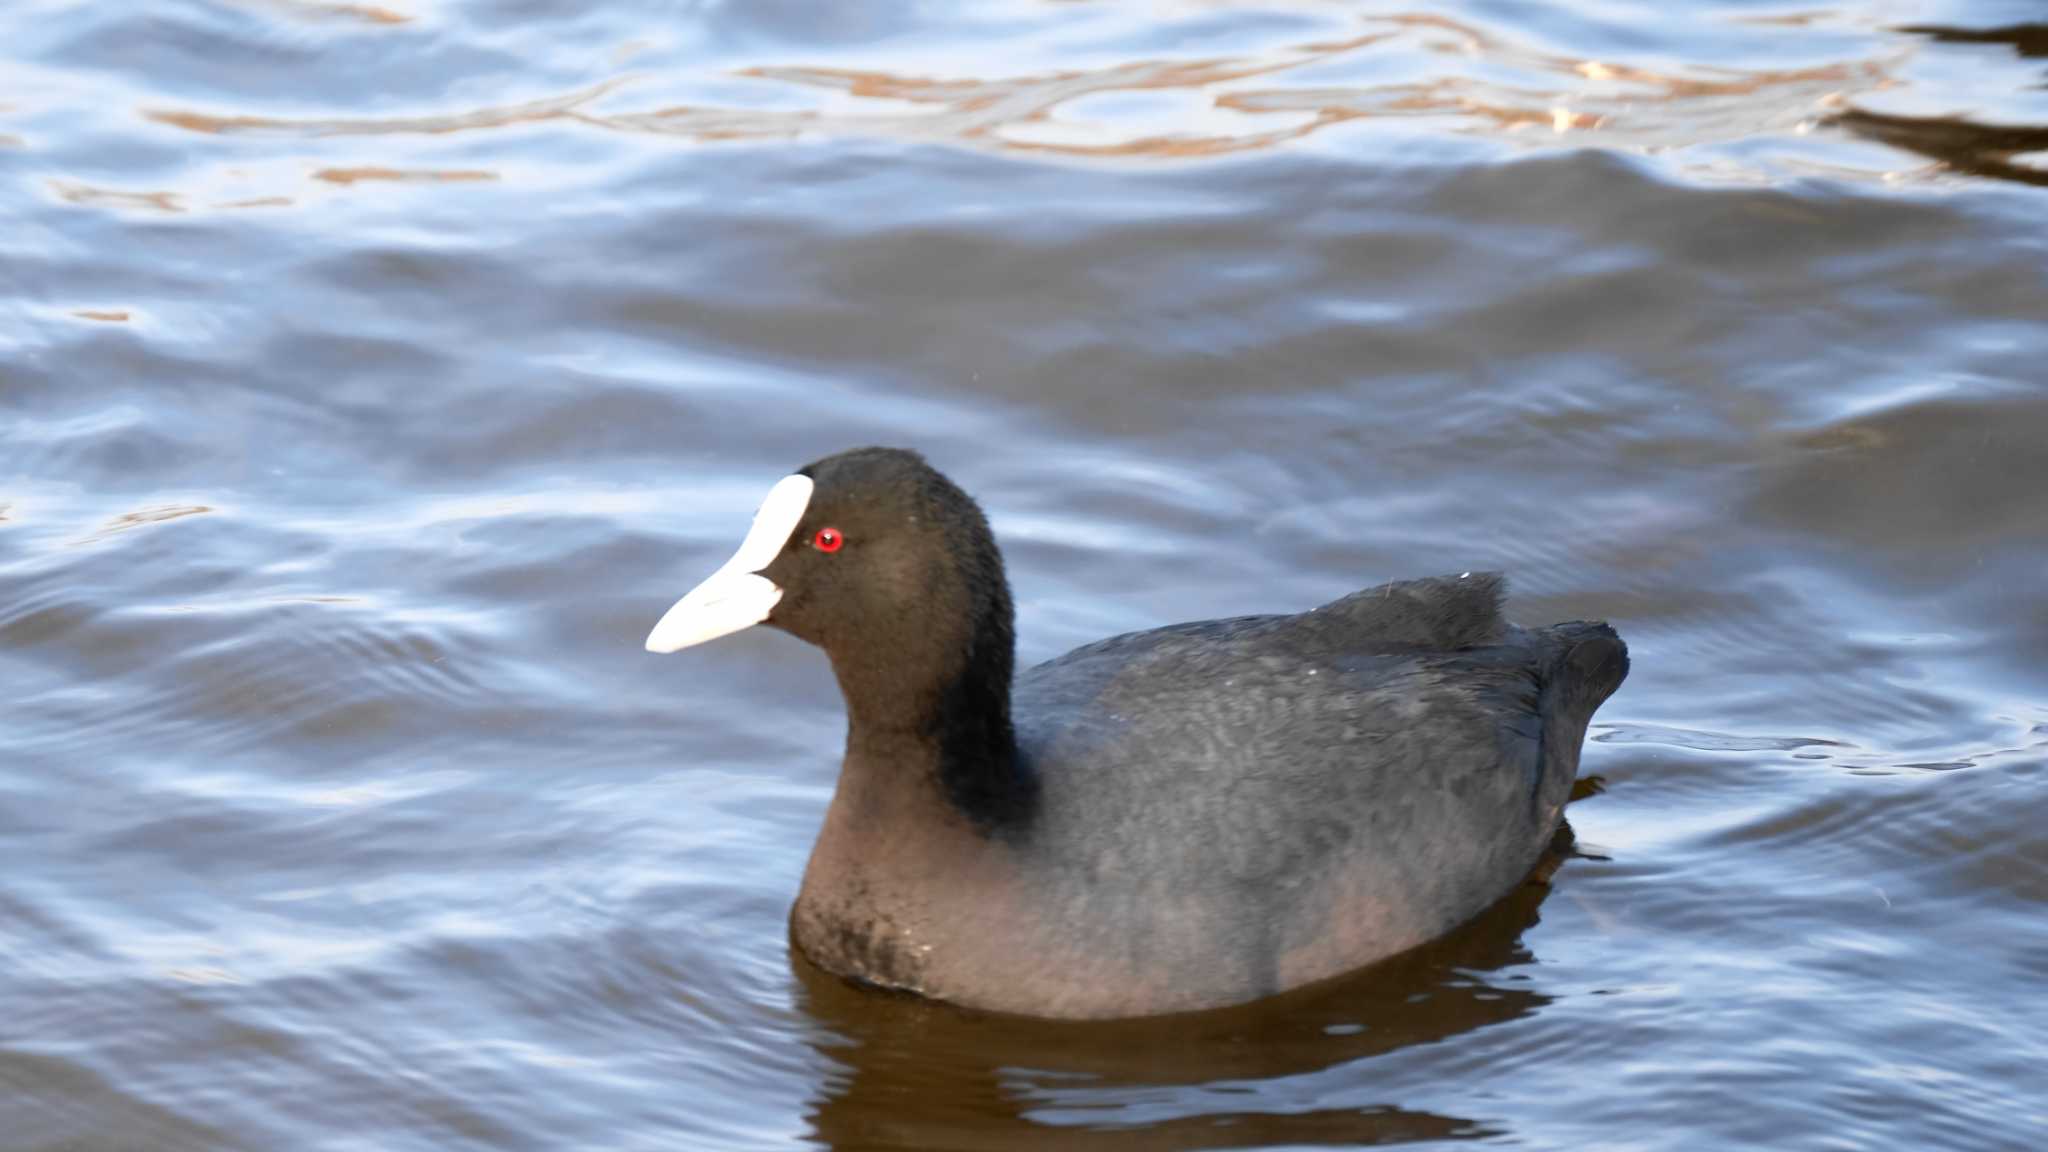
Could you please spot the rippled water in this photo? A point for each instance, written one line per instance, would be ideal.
(372, 376)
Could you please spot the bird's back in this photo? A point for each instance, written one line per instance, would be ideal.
(1253, 803)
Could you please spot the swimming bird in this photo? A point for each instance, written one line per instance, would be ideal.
(1169, 820)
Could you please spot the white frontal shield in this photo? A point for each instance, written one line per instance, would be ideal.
(737, 596)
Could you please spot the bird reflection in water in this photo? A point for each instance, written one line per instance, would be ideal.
(924, 1075)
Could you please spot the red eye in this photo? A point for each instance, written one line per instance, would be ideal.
(827, 540)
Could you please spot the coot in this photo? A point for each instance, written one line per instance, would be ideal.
(1163, 821)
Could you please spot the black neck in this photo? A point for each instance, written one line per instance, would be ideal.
(946, 718)
(979, 767)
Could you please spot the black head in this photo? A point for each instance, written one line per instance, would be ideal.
(890, 563)
(884, 563)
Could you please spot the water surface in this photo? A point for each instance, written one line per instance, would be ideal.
(373, 375)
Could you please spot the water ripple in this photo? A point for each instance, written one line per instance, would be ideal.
(374, 373)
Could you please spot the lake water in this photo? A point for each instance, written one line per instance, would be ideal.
(372, 375)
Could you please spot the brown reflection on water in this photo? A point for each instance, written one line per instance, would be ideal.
(1240, 103)
(91, 196)
(328, 10)
(173, 203)
(142, 517)
(922, 1075)
(1465, 78)
(1627, 106)
(1039, 113)
(995, 111)
(493, 116)
(348, 176)
(1967, 146)
(1958, 144)
(1659, 111)
(2030, 41)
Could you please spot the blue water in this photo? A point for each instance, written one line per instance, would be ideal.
(373, 375)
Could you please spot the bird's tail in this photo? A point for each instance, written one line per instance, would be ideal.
(1587, 662)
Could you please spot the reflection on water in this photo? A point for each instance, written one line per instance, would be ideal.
(146, 516)
(2028, 40)
(928, 1076)
(1960, 146)
(1221, 104)
(1455, 76)
(347, 176)
(2014, 152)
(325, 10)
(89, 196)
(529, 112)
